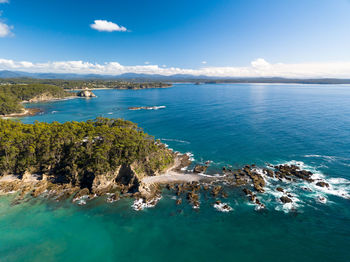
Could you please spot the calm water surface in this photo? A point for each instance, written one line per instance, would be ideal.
(229, 125)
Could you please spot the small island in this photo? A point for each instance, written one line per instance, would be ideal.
(86, 93)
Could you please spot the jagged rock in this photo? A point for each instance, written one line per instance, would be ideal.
(82, 192)
(322, 184)
(247, 191)
(280, 189)
(192, 196)
(199, 169)
(287, 171)
(216, 190)
(286, 199)
(269, 172)
(113, 198)
(184, 161)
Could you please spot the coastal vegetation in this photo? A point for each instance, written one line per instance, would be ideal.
(86, 84)
(76, 152)
(11, 95)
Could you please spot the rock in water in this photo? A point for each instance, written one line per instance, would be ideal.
(322, 184)
(199, 169)
(286, 199)
(86, 93)
(280, 189)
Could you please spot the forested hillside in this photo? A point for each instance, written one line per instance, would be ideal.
(74, 152)
(11, 96)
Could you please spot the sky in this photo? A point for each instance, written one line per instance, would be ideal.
(232, 38)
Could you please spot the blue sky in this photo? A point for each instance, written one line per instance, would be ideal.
(179, 34)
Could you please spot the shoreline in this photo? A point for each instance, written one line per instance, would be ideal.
(34, 111)
(26, 112)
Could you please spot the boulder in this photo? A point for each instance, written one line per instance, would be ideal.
(216, 190)
(247, 191)
(286, 199)
(322, 184)
(82, 192)
(199, 169)
(280, 189)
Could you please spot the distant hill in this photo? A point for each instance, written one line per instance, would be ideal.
(172, 78)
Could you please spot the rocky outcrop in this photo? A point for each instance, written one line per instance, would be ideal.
(285, 199)
(43, 97)
(200, 169)
(322, 184)
(86, 93)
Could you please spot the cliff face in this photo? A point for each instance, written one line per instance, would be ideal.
(123, 181)
(43, 97)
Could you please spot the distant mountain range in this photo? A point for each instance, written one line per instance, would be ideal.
(171, 78)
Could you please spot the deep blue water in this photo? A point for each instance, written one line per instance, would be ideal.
(229, 124)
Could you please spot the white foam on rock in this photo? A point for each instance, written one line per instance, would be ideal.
(81, 200)
(141, 204)
(337, 186)
(190, 155)
(223, 207)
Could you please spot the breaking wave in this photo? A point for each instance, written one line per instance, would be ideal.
(301, 192)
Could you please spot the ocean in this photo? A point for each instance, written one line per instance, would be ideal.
(230, 125)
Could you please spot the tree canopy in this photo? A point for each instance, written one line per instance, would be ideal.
(73, 151)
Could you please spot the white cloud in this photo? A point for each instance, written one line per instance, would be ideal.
(4, 1)
(257, 68)
(106, 26)
(5, 30)
(204, 62)
(147, 63)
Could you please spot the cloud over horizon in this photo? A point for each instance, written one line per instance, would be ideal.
(257, 68)
(106, 26)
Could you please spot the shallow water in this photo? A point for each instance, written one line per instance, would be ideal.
(229, 125)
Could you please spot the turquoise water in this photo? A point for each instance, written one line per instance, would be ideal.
(229, 125)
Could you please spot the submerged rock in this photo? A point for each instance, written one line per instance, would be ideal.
(179, 201)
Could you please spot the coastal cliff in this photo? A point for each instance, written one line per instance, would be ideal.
(99, 157)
